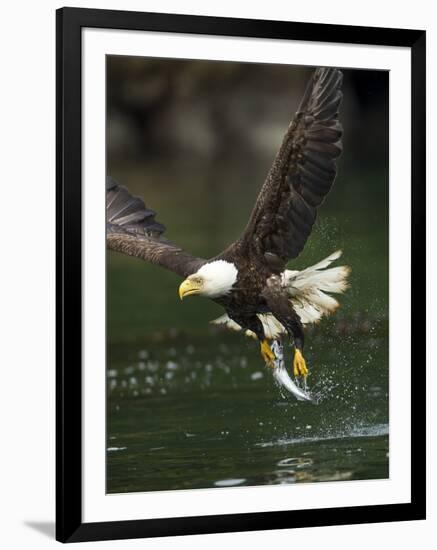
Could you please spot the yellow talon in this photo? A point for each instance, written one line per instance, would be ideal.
(299, 364)
(267, 353)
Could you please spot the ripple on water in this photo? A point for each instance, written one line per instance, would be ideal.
(229, 482)
(296, 462)
(284, 476)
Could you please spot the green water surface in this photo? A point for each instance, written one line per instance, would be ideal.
(191, 406)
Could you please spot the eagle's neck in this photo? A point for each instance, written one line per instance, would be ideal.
(219, 277)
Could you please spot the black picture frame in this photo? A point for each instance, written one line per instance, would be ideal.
(69, 525)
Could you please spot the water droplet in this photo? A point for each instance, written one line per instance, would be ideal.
(171, 365)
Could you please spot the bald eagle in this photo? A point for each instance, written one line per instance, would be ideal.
(249, 279)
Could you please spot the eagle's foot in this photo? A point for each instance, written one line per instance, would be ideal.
(267, 353)
(299, 364)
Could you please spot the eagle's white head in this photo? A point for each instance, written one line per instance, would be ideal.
(213, 279)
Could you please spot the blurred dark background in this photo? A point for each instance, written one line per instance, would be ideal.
(217, 110)
(191, 405)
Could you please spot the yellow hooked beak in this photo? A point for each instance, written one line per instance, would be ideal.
(189, 287)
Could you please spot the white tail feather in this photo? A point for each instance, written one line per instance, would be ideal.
(326, 262)
(307, 290)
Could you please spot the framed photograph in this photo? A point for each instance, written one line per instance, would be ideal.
(241, 274)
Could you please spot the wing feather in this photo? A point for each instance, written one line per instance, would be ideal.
(300, 178)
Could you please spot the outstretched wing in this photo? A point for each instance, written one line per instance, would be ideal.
(131, 228)
(300, 177)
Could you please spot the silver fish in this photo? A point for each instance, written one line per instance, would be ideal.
(282, 377)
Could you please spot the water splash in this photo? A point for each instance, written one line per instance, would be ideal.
(361, 431)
